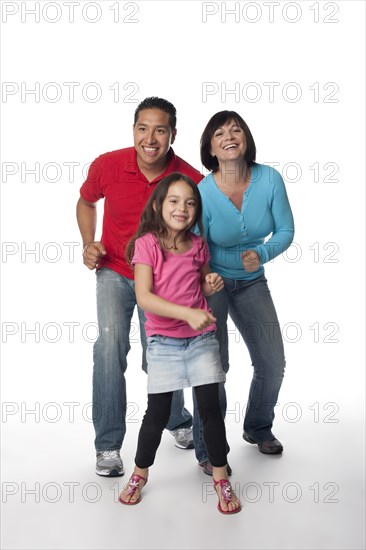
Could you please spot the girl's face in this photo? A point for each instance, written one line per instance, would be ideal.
(179, 207)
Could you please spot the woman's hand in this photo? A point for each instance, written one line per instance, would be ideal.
(250, 260)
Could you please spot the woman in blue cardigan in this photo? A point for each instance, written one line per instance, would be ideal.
(244, 203)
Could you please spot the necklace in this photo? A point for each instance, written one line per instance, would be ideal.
(174, 246)
(169, 247)
(180, 246)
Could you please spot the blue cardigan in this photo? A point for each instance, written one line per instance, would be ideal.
(229, 232)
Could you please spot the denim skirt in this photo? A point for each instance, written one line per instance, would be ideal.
(177, 363)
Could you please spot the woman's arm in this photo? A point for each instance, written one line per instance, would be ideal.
(283, 232)
(198, 319)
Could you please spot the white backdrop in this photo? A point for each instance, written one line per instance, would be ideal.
(72, 75)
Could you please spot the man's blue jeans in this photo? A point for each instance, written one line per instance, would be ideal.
(251, 308)
(116, 301)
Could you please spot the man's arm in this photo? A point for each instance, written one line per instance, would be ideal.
(86, 214)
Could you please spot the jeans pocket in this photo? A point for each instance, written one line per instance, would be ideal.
(206, 336)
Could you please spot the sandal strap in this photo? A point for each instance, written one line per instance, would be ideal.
(226, 489)
(133, 483)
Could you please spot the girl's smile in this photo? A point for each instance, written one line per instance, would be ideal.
(179, 207)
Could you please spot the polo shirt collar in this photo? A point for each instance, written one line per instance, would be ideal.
(132, 167)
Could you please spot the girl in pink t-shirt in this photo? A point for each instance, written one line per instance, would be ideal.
(172, 276)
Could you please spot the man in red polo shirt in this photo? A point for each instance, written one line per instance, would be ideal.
(125, 179)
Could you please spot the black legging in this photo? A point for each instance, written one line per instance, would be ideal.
(156, 418)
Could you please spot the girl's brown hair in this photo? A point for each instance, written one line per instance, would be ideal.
(152, 217)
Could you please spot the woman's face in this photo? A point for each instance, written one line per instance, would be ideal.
(228, 142)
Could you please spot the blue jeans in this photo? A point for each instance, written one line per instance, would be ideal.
(251, 308)
(116, 301)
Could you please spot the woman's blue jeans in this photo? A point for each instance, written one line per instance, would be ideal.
(250, 306)
(116, 301)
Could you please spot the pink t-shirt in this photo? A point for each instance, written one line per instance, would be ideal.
(176, 278)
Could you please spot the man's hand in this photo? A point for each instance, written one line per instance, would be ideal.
(198, 319)
(250, 260)
(92, 252)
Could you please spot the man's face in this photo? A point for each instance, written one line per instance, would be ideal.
(152, 138)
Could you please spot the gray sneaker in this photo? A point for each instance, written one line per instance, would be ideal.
(207, 468)
(109, 463)
(183, 438)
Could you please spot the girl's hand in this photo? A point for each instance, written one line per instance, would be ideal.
(250, 260)
(214, 282)
(199, 319)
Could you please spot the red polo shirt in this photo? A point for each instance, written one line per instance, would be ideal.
(116, 177)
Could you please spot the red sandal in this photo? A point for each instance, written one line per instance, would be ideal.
(226, 493)
(133, 485)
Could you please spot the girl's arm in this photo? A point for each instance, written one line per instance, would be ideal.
(210, 282)
(197, 319)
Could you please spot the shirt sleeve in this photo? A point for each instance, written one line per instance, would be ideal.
(204, 217)
(91, 190)
(283, 232)
(205, 220)
(205, 254)
(143, 253)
